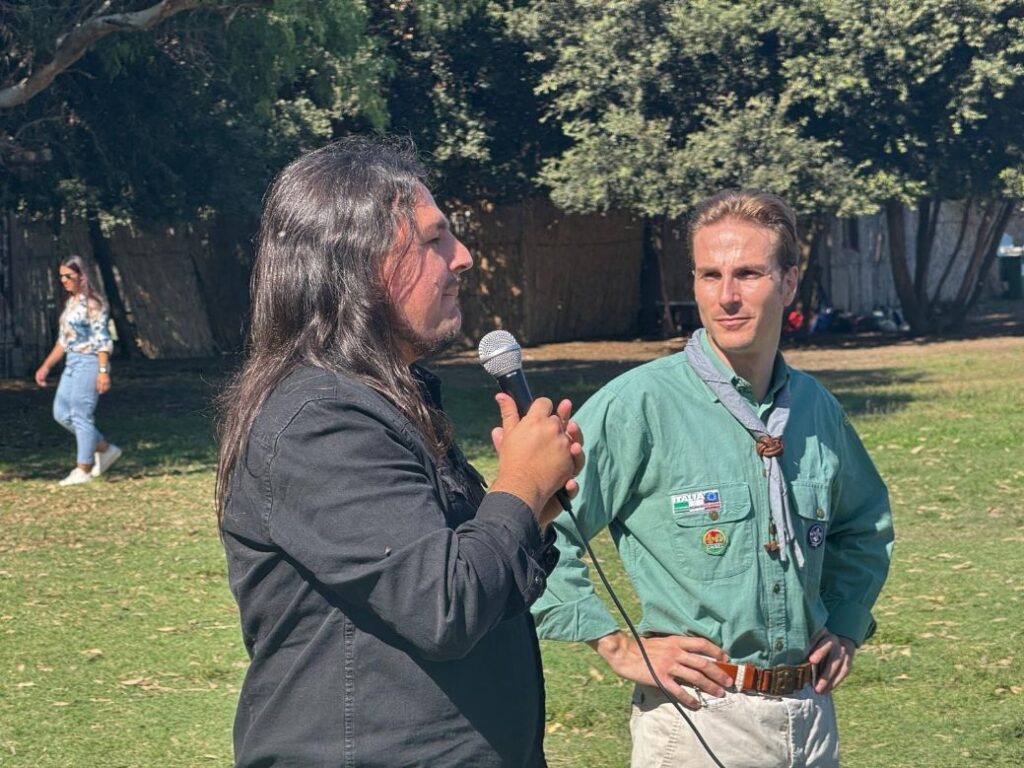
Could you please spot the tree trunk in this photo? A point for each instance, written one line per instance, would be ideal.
(814, 231)
(928, 211)
(986, 243)
(655, 312)
(101, 252)
(930, 314)
(914, 312)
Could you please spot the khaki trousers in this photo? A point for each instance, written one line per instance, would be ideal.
(744, 730)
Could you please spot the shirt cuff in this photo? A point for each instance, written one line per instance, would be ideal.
(851, 620)
(535, 555)
(579, 621)
(513, 513)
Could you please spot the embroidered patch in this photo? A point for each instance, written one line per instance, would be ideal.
(816, 535)
(714, 541)
(696, 503)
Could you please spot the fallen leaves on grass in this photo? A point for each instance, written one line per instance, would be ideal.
(887, 651)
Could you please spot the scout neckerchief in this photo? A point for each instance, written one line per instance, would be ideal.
(768, 439)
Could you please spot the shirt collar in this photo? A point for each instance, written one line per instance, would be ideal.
(430, 385)
(780, 375)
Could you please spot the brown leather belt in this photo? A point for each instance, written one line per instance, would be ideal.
(774, 681)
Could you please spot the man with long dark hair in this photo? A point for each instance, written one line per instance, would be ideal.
(383, 595)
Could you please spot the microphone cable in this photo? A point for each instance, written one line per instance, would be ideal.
(567, 506)
(501, 356)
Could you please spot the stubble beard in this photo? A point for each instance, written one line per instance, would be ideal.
(425, 347)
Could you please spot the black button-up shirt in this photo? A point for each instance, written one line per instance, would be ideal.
(383, 596)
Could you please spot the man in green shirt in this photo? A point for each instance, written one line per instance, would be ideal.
(751, 521)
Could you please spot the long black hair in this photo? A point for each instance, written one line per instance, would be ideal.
(318, 295)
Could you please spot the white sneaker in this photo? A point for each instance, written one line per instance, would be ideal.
(105, 459)
(77, 476)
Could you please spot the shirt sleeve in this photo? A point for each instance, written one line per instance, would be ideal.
(859, 543)
(617, 445)
(353, 504)
(100, 339)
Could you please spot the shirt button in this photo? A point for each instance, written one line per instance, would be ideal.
(820, 513)
(713, 515)
(779, 645)
(776, 588)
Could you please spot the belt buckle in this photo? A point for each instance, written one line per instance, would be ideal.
(783, 680)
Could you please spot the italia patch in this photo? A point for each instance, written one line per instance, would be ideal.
(816, 535)
(714, 541)
(696, 503)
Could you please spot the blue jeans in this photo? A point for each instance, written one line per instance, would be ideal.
(75, 403)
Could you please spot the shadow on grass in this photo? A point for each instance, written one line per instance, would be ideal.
(861, 391)
(161, 416)
(872, 391)
(161, 413)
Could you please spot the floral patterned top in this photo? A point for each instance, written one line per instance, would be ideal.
(82, 330)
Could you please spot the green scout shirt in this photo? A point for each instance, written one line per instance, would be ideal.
(679, 484)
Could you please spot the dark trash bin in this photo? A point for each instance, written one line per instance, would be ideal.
(1009, 273)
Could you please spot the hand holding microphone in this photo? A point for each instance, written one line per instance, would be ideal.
(540, 450)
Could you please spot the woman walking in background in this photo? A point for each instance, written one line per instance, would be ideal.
(85, 340)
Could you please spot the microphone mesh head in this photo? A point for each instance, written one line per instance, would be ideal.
(500, 353)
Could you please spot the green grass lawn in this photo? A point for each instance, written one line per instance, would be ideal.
(119, 643)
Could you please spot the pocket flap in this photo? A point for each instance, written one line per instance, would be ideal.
(811, 500)
(711, 503)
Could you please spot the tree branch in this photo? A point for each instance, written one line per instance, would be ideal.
(74, 44)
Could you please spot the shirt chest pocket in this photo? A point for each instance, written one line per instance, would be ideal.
(713, 530)
(810, 501)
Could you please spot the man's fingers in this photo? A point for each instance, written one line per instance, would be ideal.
(683, 696)
(572, 429)
(820, 653)
(497, 436)
(835, 668)
(507, 408)
(542, 407)
(711, 680)
(702, 646)
(564, 410)
(827, 675)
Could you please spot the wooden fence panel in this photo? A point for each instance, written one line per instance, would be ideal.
(157, 279)
(546, 275)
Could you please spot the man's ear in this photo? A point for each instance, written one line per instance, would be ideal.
(790, 280)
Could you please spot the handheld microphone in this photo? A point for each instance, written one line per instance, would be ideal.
(502, 357)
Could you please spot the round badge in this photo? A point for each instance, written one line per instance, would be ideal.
(714, 542)
(816, 535)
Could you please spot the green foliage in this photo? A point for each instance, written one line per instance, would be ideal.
(927, 93)
(464, 91)
(838, 106)
(198, 112)
(665, 102)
